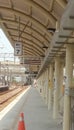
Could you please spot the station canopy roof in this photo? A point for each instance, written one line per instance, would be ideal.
(32, 23)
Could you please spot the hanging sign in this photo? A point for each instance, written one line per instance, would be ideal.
(18, 49)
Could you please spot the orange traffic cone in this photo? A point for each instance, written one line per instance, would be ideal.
(21, 125)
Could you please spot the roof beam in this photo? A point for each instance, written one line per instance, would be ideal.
(27, 53)
(31, 43)
(10, 29)
(21, 32)
(42, 10)
(68, 28)
(12, 6)
(28, 48)
(61, 3)
(23, 14)
(51, 5)
(32, 47)
(57, 42)
(8, 21)
(65, 36)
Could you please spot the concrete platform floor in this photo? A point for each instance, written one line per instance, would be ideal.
(36, 114)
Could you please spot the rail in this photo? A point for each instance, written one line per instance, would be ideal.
(5, 97)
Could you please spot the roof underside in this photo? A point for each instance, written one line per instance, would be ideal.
(28, 21)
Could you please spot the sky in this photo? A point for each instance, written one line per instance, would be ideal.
(5, 47)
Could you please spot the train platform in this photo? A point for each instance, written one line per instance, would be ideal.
(36, 114)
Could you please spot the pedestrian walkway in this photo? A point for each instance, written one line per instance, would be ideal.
(9, 116)
(36, 114)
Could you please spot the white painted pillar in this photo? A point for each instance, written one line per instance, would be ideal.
(50, 102)
(69, 75)
(47, 85)
(38, 82)
(56, 88)
(61, 100)
(47, 77)
(40, 85)
(41, 89)
(43, 85)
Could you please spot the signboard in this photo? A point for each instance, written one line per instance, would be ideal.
(18, 49)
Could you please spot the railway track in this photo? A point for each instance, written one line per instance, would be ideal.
(7, 91)
(7, 97)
